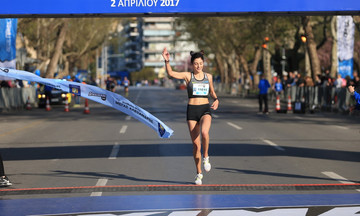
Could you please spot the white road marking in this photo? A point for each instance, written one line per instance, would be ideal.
(215, 116)
(127, 118)
(341, 127)
(273, 144)
(298, 117)
(137, 97)
(234, 126)
(123, 129)
(100, 182)
(114, 151)
(338, 178)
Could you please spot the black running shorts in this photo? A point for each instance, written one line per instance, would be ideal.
(195, 112)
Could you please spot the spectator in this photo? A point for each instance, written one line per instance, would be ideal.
(263, 86)
(356, 96)
(6, 84)
(278, 87)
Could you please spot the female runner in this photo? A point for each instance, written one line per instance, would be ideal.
(199, 86)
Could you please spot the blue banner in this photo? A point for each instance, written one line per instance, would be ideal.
(148, 7)
(345, 68)
(345, 45)
(96, 94)
(8, 28)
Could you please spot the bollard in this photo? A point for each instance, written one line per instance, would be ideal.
(87, 110)
(28, 105)
(289, 108)
(277, 108)
(66, 105)
(48, 108)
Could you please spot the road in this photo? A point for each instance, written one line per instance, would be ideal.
(57, 149)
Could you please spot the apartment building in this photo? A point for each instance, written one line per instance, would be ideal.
(145, 39)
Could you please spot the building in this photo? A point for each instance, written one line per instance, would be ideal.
(142, 41)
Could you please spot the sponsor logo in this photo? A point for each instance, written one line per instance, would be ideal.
(75, 89)
(4, 70)
(135, 110)
(102, 96)
(161, 129)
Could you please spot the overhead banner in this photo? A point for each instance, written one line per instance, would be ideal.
(345, 45)
(8, 28)
(31, 8)
(96, 94)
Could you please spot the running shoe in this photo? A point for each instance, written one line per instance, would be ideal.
(4, 181)
(207, 165)
(198, 179)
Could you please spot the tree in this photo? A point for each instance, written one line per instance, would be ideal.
(311, 47)
(63, 44)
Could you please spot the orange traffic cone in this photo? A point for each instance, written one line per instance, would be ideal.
(87, 110)
(48, 108)
(66, 105)
(277, 108)
(28, 105)
(289, 108)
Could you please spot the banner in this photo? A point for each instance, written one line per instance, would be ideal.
(96, 94)
(8, 28)
(71, 8)
(345, 44)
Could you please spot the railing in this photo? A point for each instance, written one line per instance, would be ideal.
(16, 98)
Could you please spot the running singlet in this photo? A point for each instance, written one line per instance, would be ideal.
(198, 88)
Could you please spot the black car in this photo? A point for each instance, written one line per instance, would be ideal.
(56, 97)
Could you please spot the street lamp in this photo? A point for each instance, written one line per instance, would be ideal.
(307, 60)
(303, 38)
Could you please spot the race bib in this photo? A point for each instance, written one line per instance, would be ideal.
(200, 89)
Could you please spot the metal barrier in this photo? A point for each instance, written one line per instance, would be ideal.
(15, 98)
(320, 97)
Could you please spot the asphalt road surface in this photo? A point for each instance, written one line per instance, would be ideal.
(44, 150)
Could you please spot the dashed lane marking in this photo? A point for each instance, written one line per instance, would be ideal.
(127, 118)
(273, 144)
(114, 151)
(215, 116)
(100, 182)
(123, 129)
(339, 178)
(234, 126)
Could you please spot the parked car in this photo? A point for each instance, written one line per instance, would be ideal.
(56, 97)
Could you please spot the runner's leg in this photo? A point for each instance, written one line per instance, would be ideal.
(205, 123)
(194, 128)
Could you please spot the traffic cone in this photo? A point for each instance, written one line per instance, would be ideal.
(28, 105)
(48, 108)
(289, 108)
(87, 110)
(277, 108)
(66, 105)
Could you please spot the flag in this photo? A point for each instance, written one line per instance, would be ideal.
(345, 44)
(8, 28)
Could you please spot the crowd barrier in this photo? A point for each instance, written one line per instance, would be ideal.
(327, 98)
(16, 98)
